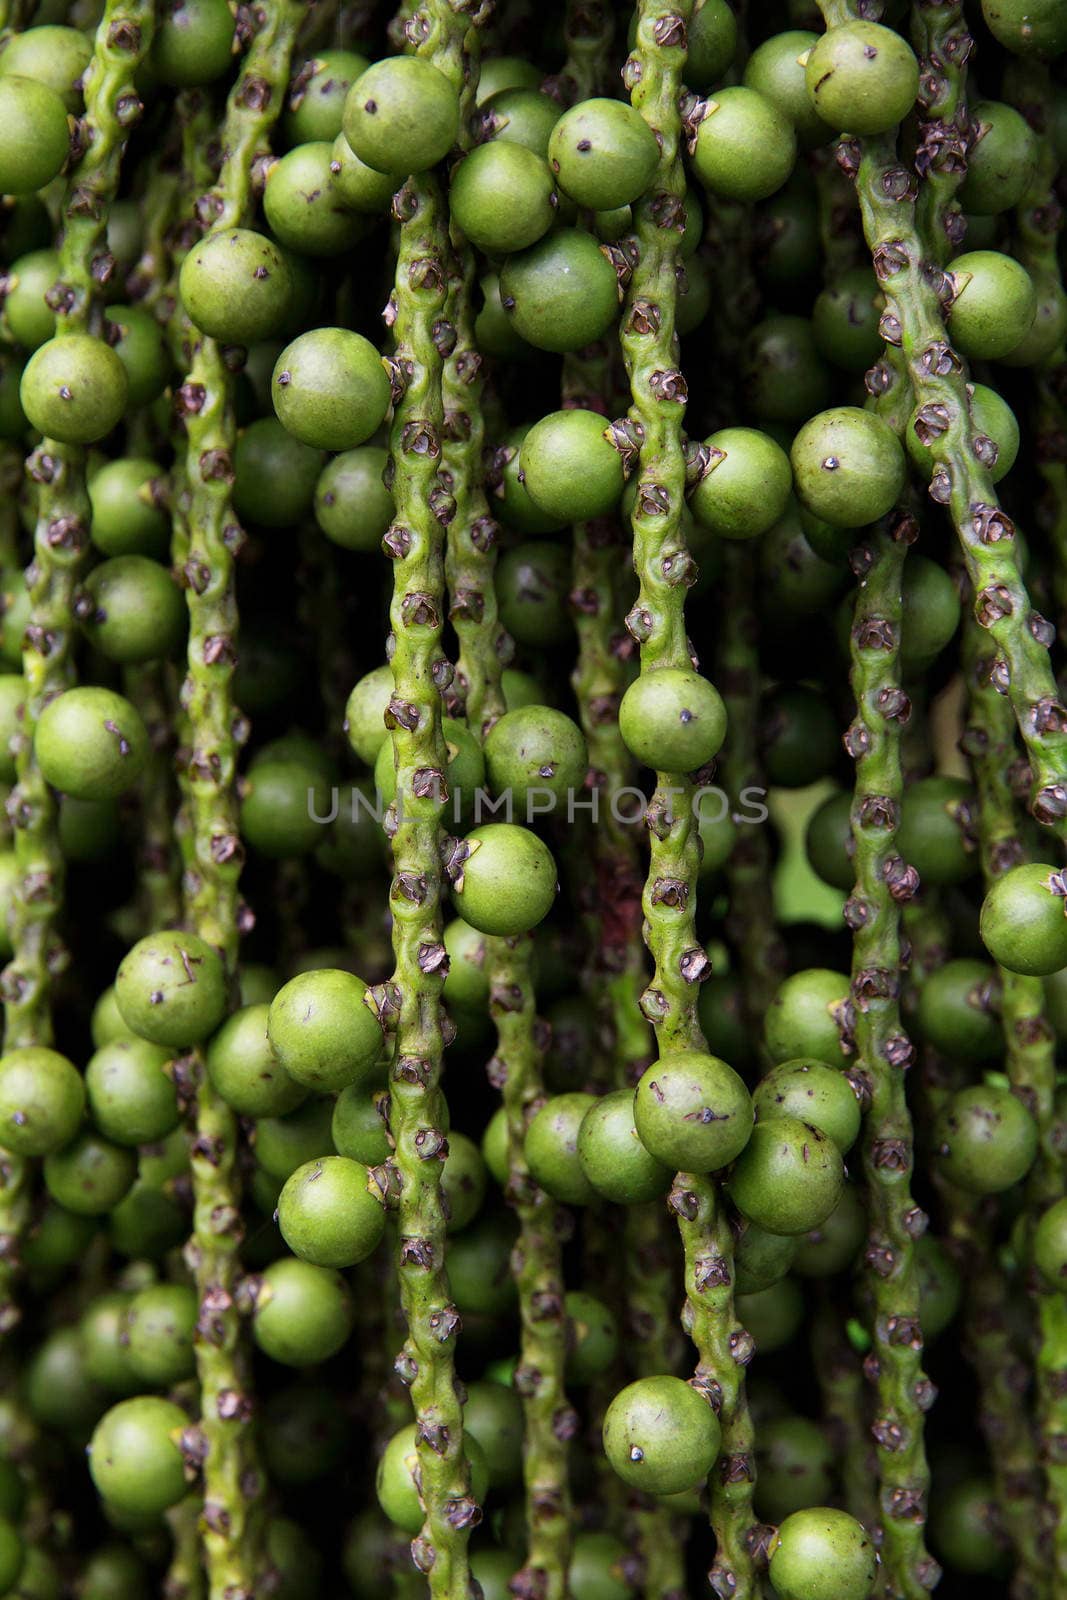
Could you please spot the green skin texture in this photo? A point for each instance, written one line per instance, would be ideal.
(930, 831)
(657, 624)
(674, 721)
(561, 293)
(536, 748)
(171, 989)
(328, 1213)
(551, 1148)
(275, 475)
(90, 743)
(73, 388)
(693, 1112)
(330, 389)
(365, 714)
(661, 1435)
(30, 164)
(221, 292)
(603, 154)
(352, 505)
(789, 1177)
(323, 1030)
(957, 1011)
(569, 466)
(862, 78)
(845, 319)
(1023, 923)
(159, 1326)
(194, 45)
(823, 1554)
(747, 487)
(360, 187)
(995, 304)
(398, 1494)
(761, 1259)
(502, 197)
(985, 1140)
(612, 1156)
(42, 1100)
(315, 112)
(30, 321)
(804, 1018)
(848, 466)
(993, 419)
(402, 115)
(592, 1337)
(507, 881)
(1001, 164)
(131, 1098)
(244, 1070)
(303, 1313)
(139, 611)
(134, 1457)
(304, 204)
(814, 1093)
(125, 520)
(745, 148)
(90, 1175)
(1027, 25)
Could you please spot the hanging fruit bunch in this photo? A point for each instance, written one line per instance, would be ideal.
(533, 558)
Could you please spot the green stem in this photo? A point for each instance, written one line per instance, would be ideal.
(158, 874)
(550, 1421)
(412, 1001)
(845, 1408)
(208, 537)
(185, 1575)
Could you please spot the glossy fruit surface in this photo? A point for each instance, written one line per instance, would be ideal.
(693, 1112)
(159, 1326)
(1001, 160)
(603, 154)
(985, 1139)
(91, 743)
(822, 1554)
(745, 147)
(538, 755)
(42, 1100)
(244, 1069)
(569, 466)
(788, 1178)
(508, 880)
(862, 78)
(672, 720)
(134, 1455)
(561, 293)
(503, 197)
(90, 1175)
(397, 1493)
(848, 467)
(958, 1010)
(994, 307)
(551, 1148)
(805, 1017)
(28, 164)
(193, 43)
(132, 1099)
(401, 115)
(1028, 27)
(73, 388)
(328, 1215)
(330, 389)
(236, 286)
(303, 1313)
(138, 612)
(748, 486)
(322, 1032)
(661, 1436)
(612, 1155)
(171, 989)
(814, 1093)
(1024, 921)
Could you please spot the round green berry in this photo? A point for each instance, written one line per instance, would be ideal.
(135, 612)
(848, 466)
(994, 306)
(131, 1098)
(692, 1112)
(329, 1215)
(353, 507)
(330, 389)
(551, 1148)
(30, 107)
(244, 1070)
(171, 989)
(303, 1313)
(73, 388)
(236, 286)
(160, 1325)
(985, 1139)
(42, 1100)
(745, 147)
(814, 1093)
(789, 1177)
(507, 881)
(862, 78)
(502, 197)
(661, 1436)
(672, 720)
(401, 115)
(90, 1175)
(562, 293)
(323, 1033)
(747, 486)
(91, 743)
(603, 153)
(1024, 920)
(135, 1457)
(612, 1155)
(822, 1554)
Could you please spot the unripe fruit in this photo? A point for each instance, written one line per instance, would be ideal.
(171, 989)
(692, 1112)
(507, 884)
(91, 743)
(328, 1215)
(401, 115)
(1024, 920)
(661, 1436)
(672, 720)
(822, 1554)
(74, 387)
(862, 78)
(134, 1456)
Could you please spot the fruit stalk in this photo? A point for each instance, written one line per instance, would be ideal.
(657, 621)
(550, 1423)
(1029, 1044)
(412, 1001)
(207, 538)
(883, 1055)
(914, 321)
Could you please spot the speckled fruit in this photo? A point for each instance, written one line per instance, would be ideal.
(134, 1456)
(692, 1112)
(330, 389)
(1000, 160)
(538, 755)
(1024, 920)
(814, 1093)
(401, 115)
(803, 1019)
(551, 1148)
(612, 1156)
(985, 1139)
(561, 293)
(502, 197)
(171, 989)
(747, 486)
(303, 1314)
(761, 1259)
(328, 1215)
(789, 1177)
(352, 505)
(569, 466)
(1027, 27)
(236, 286)
(848, 466)
(131, 1097)
(91, 743)
(661, 1436)
(90, 1175)
(42, 1100)
(138, 612)
(994, 307)
(603, 153)
(323, 1033)
(507, 883)
(672, 720)
(822, 1554)
(862, 78)
(73, 388)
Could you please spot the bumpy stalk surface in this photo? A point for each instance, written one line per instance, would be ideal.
(653, 76)
(914, 324)
(883, 1053)
(421, 674)
(212, 848)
